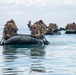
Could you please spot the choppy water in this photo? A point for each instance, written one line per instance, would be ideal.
(58, 58)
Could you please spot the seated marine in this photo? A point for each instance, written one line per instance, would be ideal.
(71, 26)
(36, 31)
(9, 30)
(52, 27)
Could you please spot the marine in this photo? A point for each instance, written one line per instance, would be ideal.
(14, 25)
(52, 27)
(9, 30)
(36, 29)
(71, 26)
(43, 26)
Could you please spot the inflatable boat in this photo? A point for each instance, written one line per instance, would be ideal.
(22, 40)
(70, 31)
(53, 33)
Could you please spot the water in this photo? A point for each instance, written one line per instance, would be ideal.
(58, 58)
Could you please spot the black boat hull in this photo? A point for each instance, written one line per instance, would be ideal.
(54, 33)
(70, 32)
(21, 40)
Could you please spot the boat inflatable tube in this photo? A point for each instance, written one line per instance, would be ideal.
(54, 33)
(69, 31)
(21, 40)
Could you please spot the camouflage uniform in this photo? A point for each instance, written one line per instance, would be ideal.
(74, 26)
(14, 27)
(71, 26)
(39, 29)
(29, 25)
(55, 27)
(35, 29)
(52, 27)
(42, 26)
(67, 26)
(9, 31)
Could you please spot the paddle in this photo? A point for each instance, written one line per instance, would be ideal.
(1, 42)
(45, 41)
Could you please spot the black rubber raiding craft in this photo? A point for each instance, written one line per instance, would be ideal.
(22, 40)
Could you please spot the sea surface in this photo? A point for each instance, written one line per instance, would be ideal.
(58, 58)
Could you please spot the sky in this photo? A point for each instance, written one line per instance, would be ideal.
(60, 12)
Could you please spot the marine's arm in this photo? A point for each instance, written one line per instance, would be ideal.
(29, 24)
(15, 27)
